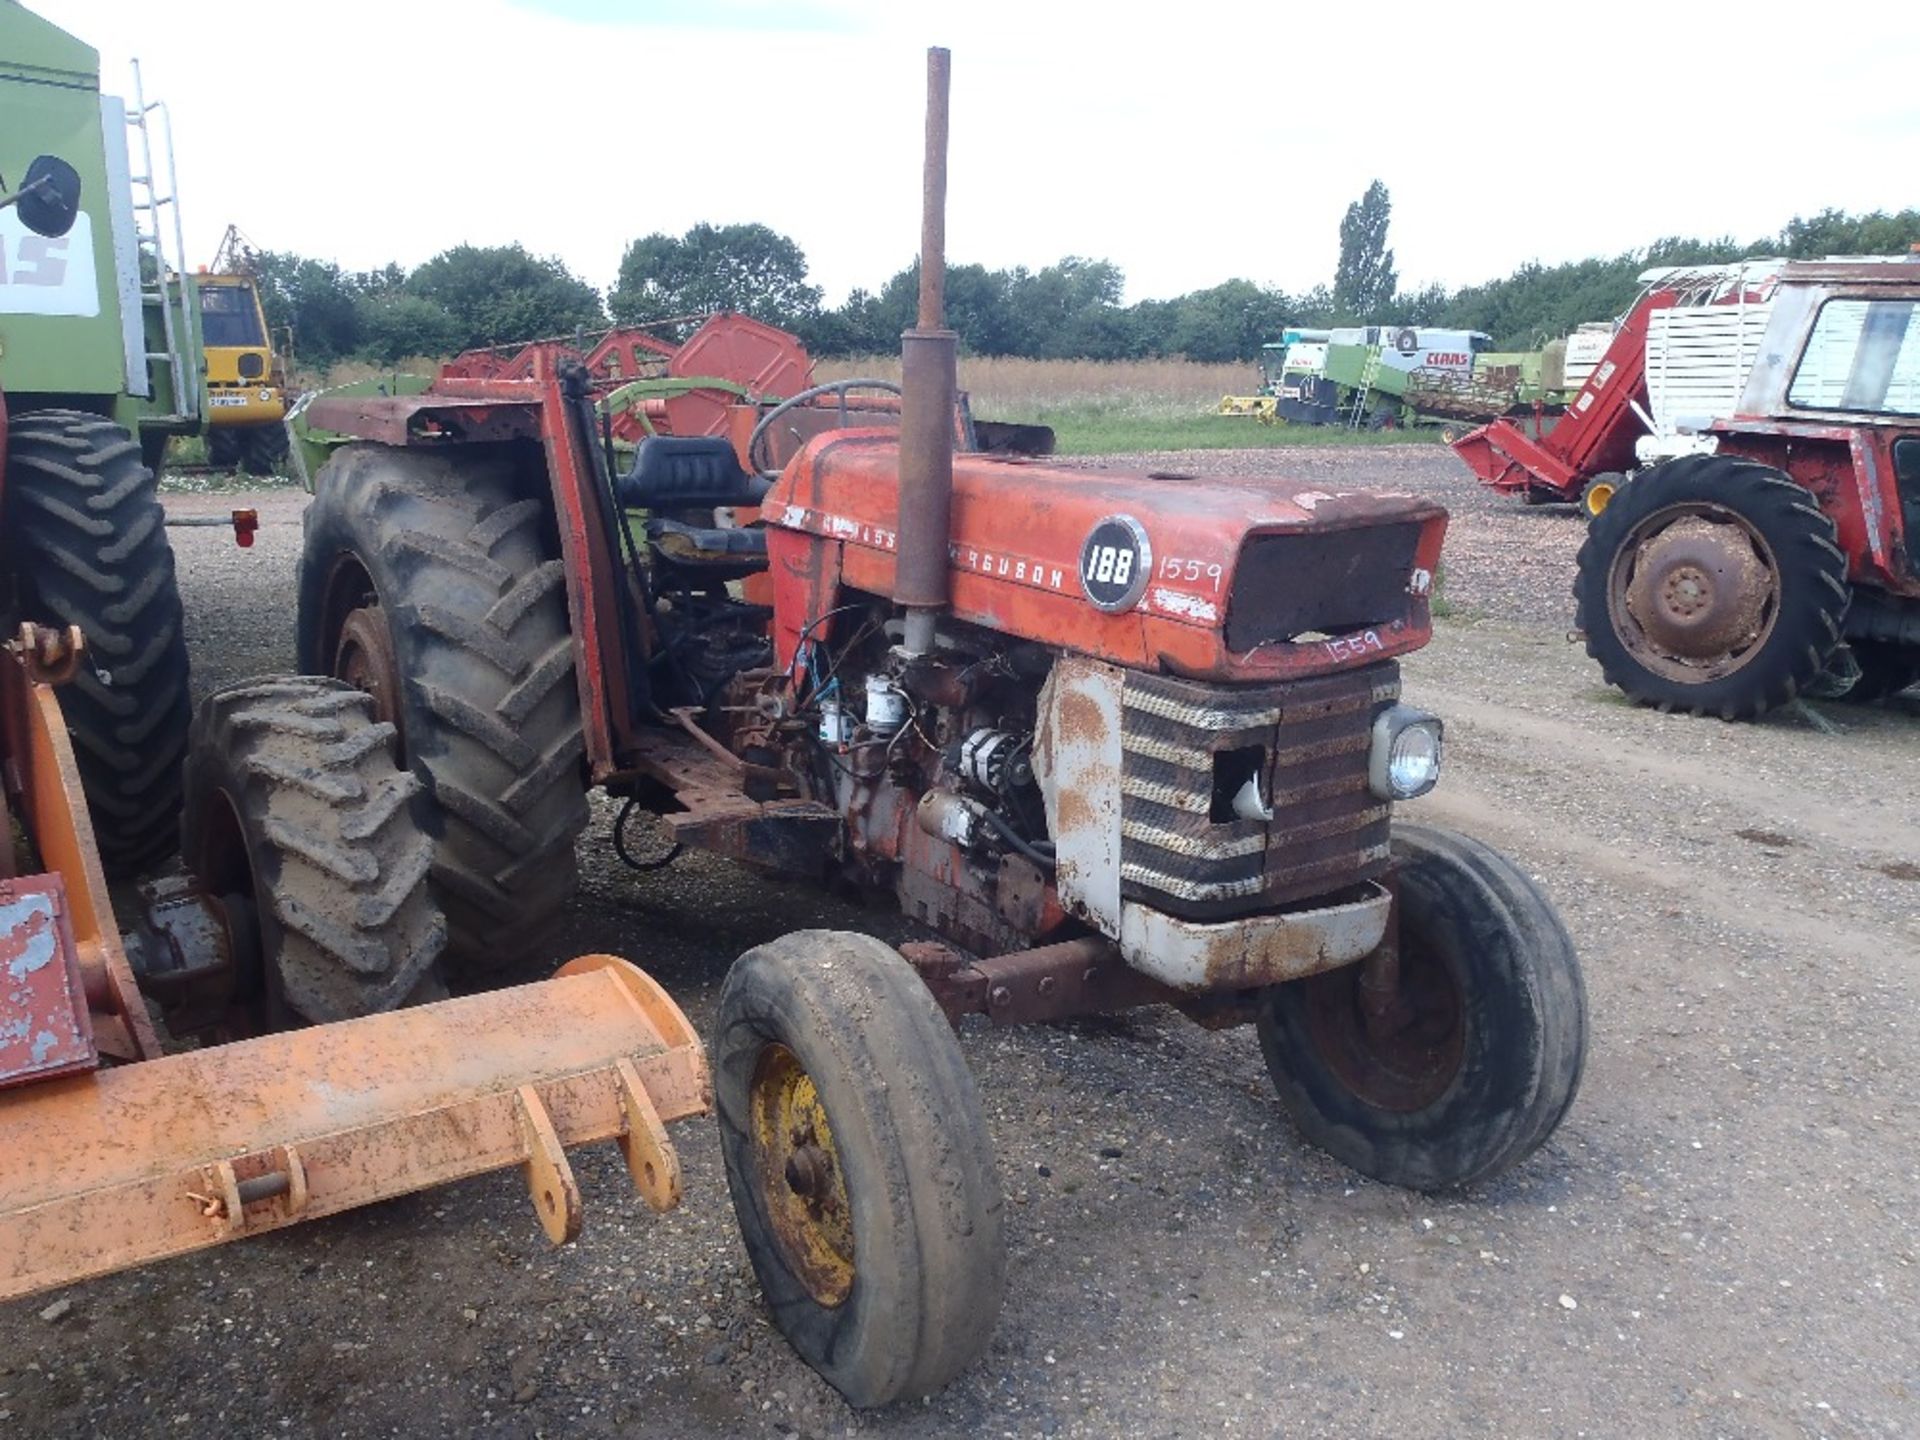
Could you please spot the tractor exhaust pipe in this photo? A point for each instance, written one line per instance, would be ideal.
(927, 383)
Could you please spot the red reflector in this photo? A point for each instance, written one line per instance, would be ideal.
(245, 522)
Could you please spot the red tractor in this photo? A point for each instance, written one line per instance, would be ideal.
(1116, 739)
(1785, 562)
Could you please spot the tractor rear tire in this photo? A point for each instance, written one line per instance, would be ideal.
(263, 448)
(1491, 1037)
(223, 447)
(1711, 584)
(859, 1163)
(293, 800)
(1885, 670)
(467, 582)
(88, 545)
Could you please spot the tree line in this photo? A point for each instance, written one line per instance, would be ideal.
(471, 296)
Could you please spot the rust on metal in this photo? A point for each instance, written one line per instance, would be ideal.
(797, 1169)
(1392, 1028)
(1695, 593)
(446, 414)
(44, 1029)
(50, 654)
(365, 659)
(1049, 982)
(924, 492)
(125, 1165)
(54, 812)
(1254, 950)
(712, 810)
(834, 524)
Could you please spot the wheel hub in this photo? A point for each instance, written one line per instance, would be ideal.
(1398, 1051)
(364, 658)
(801, 1185)
(1700, 591)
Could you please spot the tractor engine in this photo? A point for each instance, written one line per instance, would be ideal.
(1164, 712)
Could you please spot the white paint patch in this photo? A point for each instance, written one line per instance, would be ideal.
(32, 914)
(47, 276)
(1187, 607)
(1310, 499)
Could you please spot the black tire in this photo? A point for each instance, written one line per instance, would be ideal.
(88, 545)
(1491, 1059)
(223, 447)
(465, 570)
(294, 802)
(1783, 626)
(1598, 493)
(263, 448)
(915, 1301)
(1885, 670)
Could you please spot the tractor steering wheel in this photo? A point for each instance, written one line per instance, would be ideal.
(833, 387)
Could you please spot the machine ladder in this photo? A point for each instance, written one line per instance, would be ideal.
(1369, 373)
(173, 300)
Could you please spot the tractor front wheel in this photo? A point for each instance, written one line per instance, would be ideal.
(1711, 584)
(859, 1164)
(1468, 1061)
(299, 821)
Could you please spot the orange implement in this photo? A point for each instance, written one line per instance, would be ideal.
(135, 1163)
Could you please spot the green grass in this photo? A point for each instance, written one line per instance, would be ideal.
(1119, 407)
(1097, 431)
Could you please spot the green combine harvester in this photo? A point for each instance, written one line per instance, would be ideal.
(1377, 377)
(99, 368)
(86, 323)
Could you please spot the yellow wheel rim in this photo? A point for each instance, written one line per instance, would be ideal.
(803, 1190)
(1598, 496)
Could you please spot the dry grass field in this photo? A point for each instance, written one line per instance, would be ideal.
(1096, 407)
(1004, 384)
(1105, 407)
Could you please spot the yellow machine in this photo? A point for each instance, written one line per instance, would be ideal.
(246, 381)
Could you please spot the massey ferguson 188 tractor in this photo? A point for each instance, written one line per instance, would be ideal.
(1786, 561)
(1116, 739)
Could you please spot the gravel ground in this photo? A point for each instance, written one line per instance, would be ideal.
(1721, 1240)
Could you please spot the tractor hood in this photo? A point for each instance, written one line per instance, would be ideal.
(1205, 577)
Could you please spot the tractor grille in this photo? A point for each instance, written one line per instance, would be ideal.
(1319, 582)
(1187, 748)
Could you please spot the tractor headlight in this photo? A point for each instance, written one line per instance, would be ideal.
(1405, 760)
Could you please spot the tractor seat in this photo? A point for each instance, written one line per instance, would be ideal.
(693, 553)
(671, 471)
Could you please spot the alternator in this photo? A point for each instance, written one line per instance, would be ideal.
(994, 760)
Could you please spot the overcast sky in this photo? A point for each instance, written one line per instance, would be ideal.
(1187, 143)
